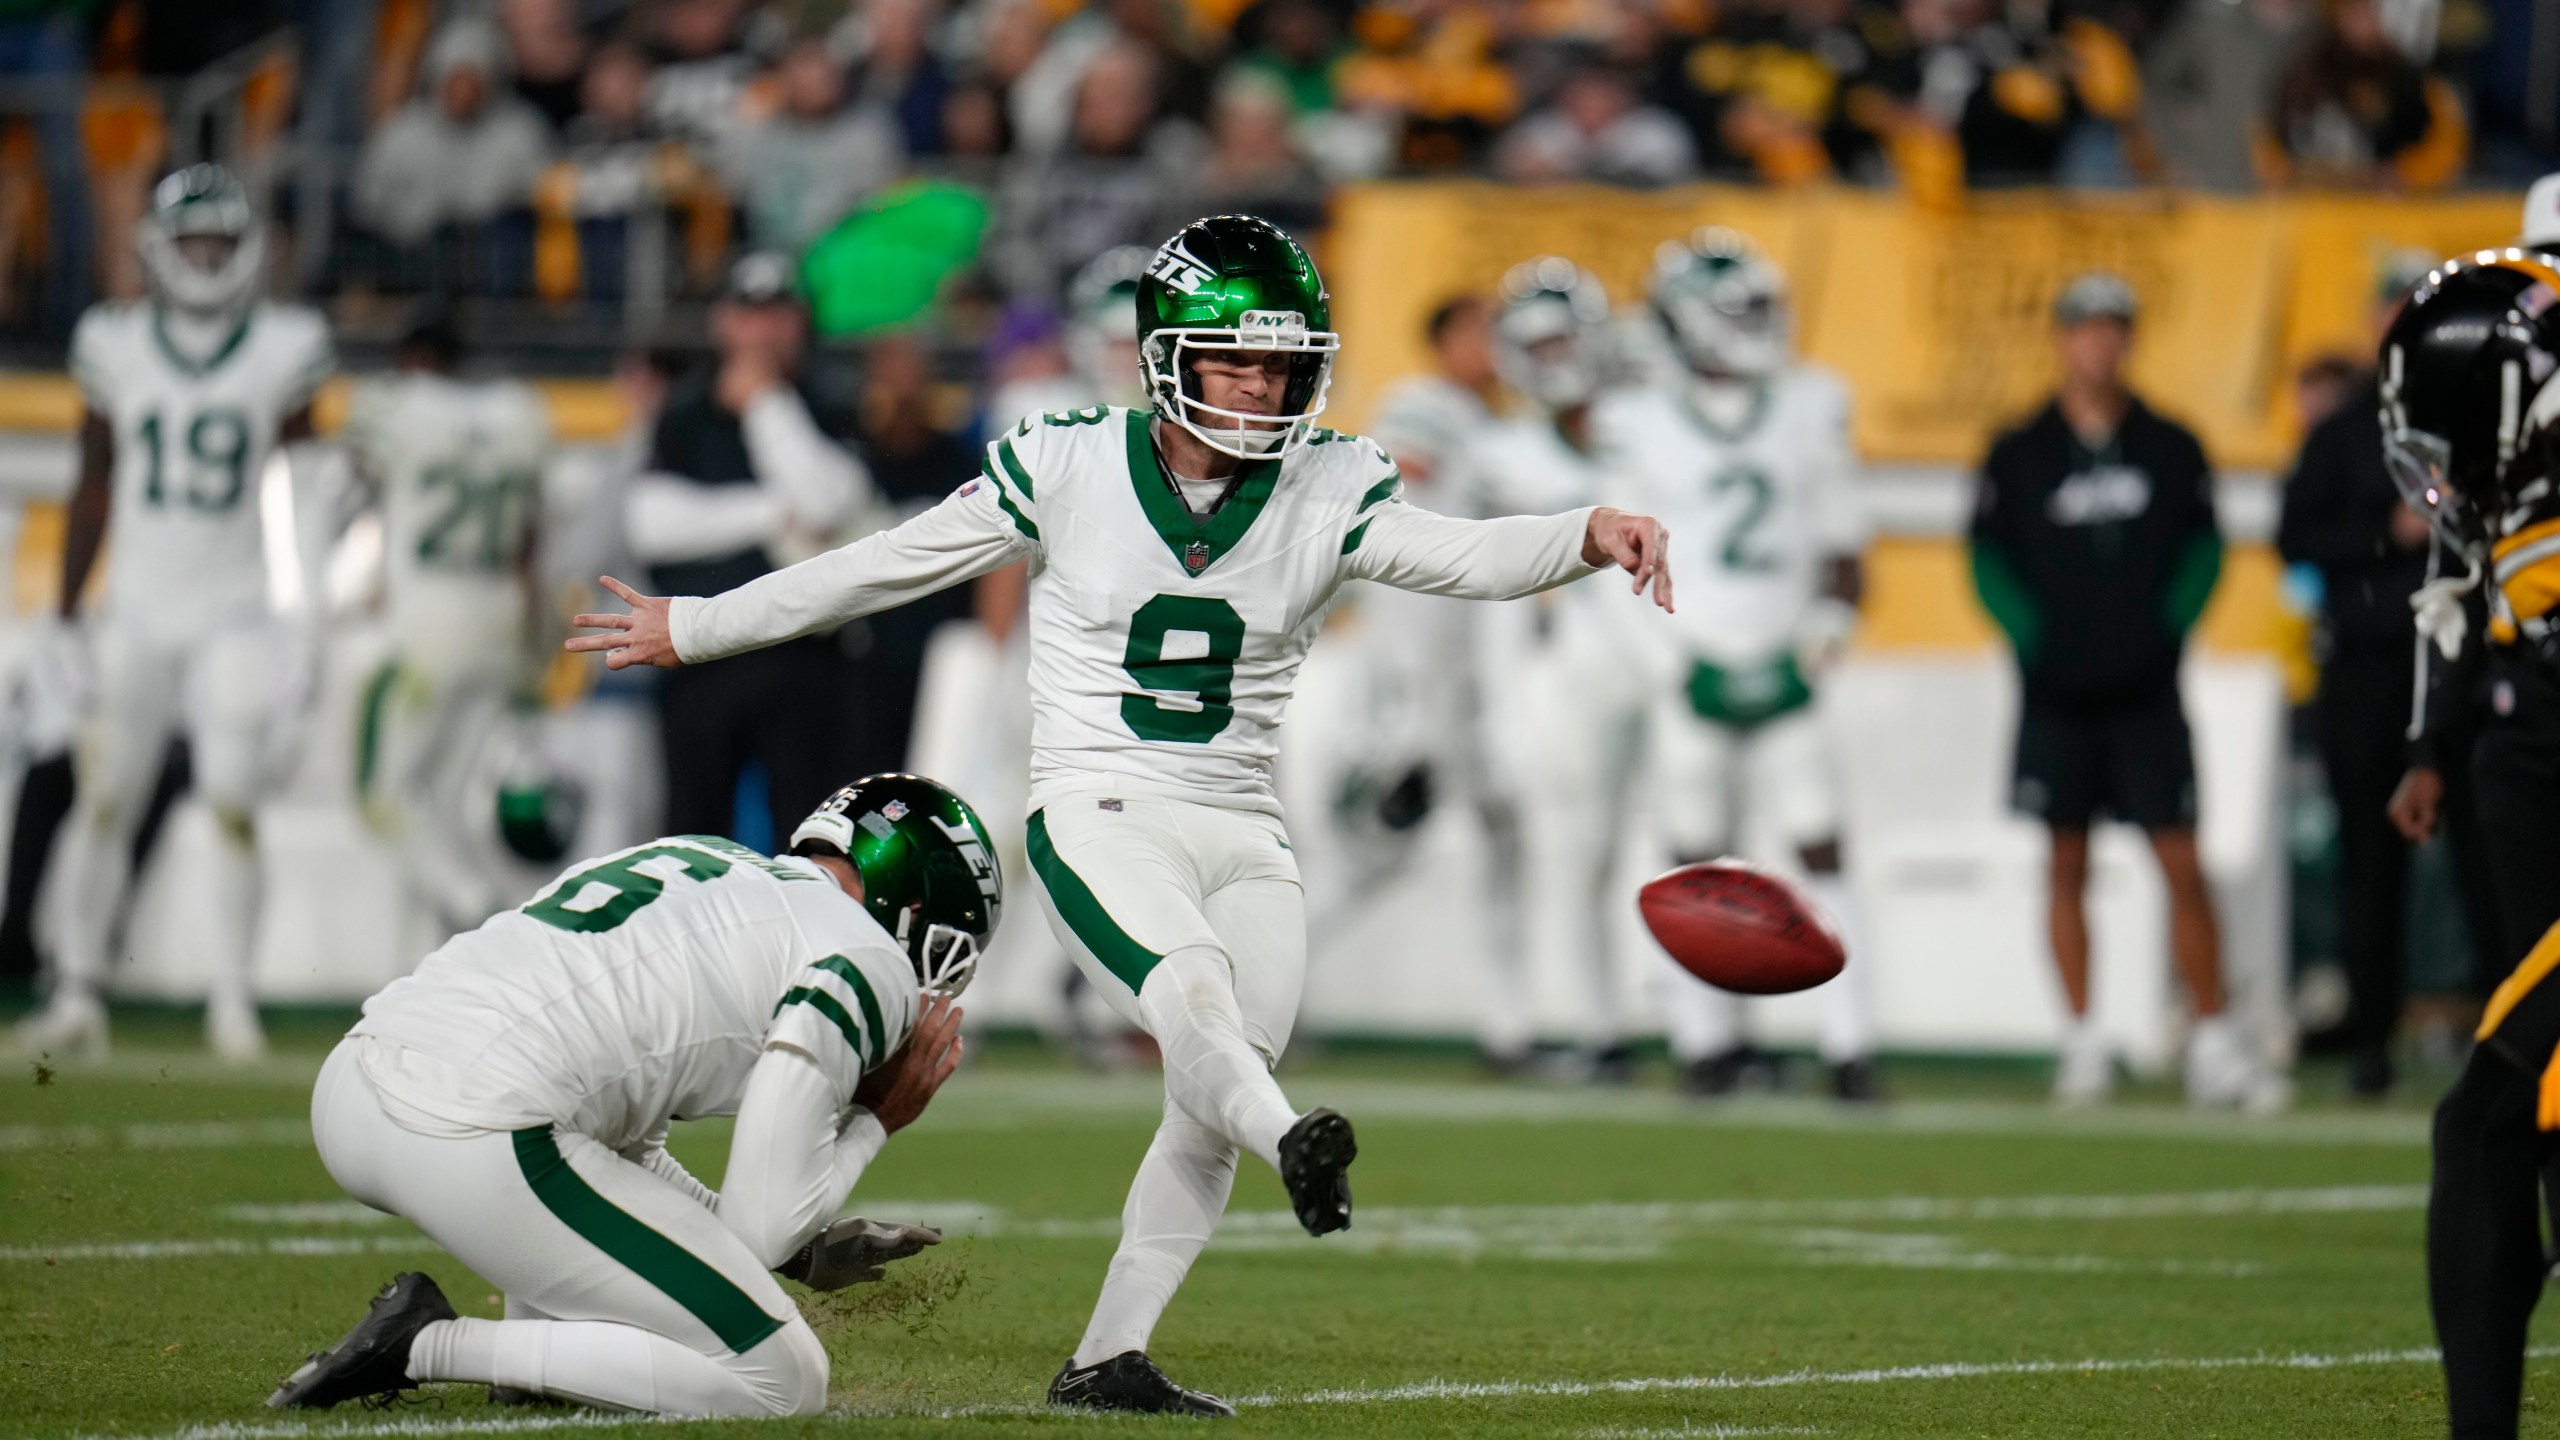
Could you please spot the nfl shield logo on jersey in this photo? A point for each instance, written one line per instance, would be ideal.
(1195, 558)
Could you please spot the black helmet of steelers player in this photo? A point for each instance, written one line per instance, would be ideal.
(203, 247)
(1235, 283)
(1723, 303)
(2471, 391)
(929, 872)
(1102, 325)
(1551, 341)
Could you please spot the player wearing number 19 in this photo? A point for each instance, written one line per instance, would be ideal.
(188, 393)
(1182, 560)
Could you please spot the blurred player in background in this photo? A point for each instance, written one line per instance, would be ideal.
(1101, 342)
(2095, 548)
(456, 466)
(188, 393)
(2468, 421)
(1560, 692)
(1746, 454)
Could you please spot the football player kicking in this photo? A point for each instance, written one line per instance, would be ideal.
(187, 395)
(1752, 448)
(512, 1099)
(1183, 557)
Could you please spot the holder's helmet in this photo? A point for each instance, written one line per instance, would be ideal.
(1102, 325)
(1235, 283)
(2471, 391)
(929, 872)
(1551, 341)
(1723, 303)
(202, 245)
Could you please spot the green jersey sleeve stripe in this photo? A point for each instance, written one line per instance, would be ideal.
(827, 1005)
(1093, 925)
(1013, 467)
(678, 1273)
(1383, 491)
(1021, 521)
(1358, 533)
(843, 968)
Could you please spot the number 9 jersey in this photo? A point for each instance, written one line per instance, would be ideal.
(192, 437)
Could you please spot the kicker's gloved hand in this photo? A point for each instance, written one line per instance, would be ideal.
(854, 1250)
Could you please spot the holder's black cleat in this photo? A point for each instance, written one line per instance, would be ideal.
(373, 1359)
(1315, 1161)
(1130, 1382)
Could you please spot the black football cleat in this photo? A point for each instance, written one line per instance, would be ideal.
(1315, 1163)
(373, 1359)
(1855, 1082)
(509, 1395)
(1131, 1383)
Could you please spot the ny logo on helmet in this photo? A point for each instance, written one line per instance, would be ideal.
(1179, 269)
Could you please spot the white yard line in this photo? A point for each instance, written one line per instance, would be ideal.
(158, 1135)
(261, 1246)
(416, 1424)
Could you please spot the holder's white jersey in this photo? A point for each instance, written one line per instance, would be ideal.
(1753, 509)
(1164, 646)
(642, 987)
(191, 440)
(458, 465)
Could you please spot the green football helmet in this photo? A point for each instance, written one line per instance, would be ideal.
(1723, 303)
(1102, 325)
(199, 203)
(1551, 341)
(1235, 282)
(539, 810)
(929, 872)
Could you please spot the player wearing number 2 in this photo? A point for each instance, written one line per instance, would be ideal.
(188, 393)
(1182, 560)
(1747, 451)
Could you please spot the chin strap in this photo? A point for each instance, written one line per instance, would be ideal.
(2443, 625)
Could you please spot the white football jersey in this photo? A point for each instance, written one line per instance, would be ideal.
(1164, 647)
(1753, 508)
(458, 465)
(642, 987)
(191, 440)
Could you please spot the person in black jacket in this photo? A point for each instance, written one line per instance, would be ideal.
(2343, 516)
(2095, 549)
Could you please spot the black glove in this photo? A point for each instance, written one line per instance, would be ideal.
(854, 1250)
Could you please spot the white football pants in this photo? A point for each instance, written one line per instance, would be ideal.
(1563, 720)
(426, 727)
(1712, 784)
(1190, 920)
(622, 1290)
(230, 689)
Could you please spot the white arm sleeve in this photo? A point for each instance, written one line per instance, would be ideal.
(819, 481)
(790, 1165)
(1413, 549)
(669, 518)
(962, 538)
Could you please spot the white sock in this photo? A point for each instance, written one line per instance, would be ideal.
(598, 1362)
(1846, 1034)
(1173, 1205)
(231, 927)
(1210, 1069)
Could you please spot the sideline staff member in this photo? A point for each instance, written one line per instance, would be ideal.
(743, 476)
(2094, 548)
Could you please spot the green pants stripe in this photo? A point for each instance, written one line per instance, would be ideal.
(731, 1313)
(1111, 945)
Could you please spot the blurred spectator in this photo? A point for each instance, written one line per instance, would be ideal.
(2322, 385)
(549, 54)
(2351, 109)
(2010, 98)
(1254, 167)
(702, 67)
(896, 71)
(1598, 128)
(613, 161)
(914, 461)
(45, 45)
(2511, 87)
(1122, 169)
(1425, 420)
(1772, 92)
(1299, 46)
(799, 170)
(1428, 71)
(975, 133)
(463, 152)
(747, 472)
(1182, 58)
(2208, 80)
(1041, 88)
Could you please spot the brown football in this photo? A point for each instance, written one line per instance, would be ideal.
(1741, 928)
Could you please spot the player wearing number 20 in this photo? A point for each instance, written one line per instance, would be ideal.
(187, 394)
(1182, 560)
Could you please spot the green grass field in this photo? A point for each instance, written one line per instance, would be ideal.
(1524, 1262)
